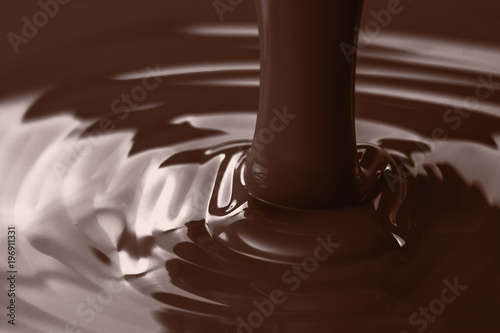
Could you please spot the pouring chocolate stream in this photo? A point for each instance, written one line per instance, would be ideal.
(304, 150)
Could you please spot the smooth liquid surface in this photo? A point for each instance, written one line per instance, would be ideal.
(304, 150)
(117, 215)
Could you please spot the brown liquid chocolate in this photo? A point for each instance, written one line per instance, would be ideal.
(158, 207)
(304, 149)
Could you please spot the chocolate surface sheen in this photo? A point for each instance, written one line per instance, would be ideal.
(304, 150)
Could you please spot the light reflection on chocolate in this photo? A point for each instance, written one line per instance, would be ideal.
(117, 215)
